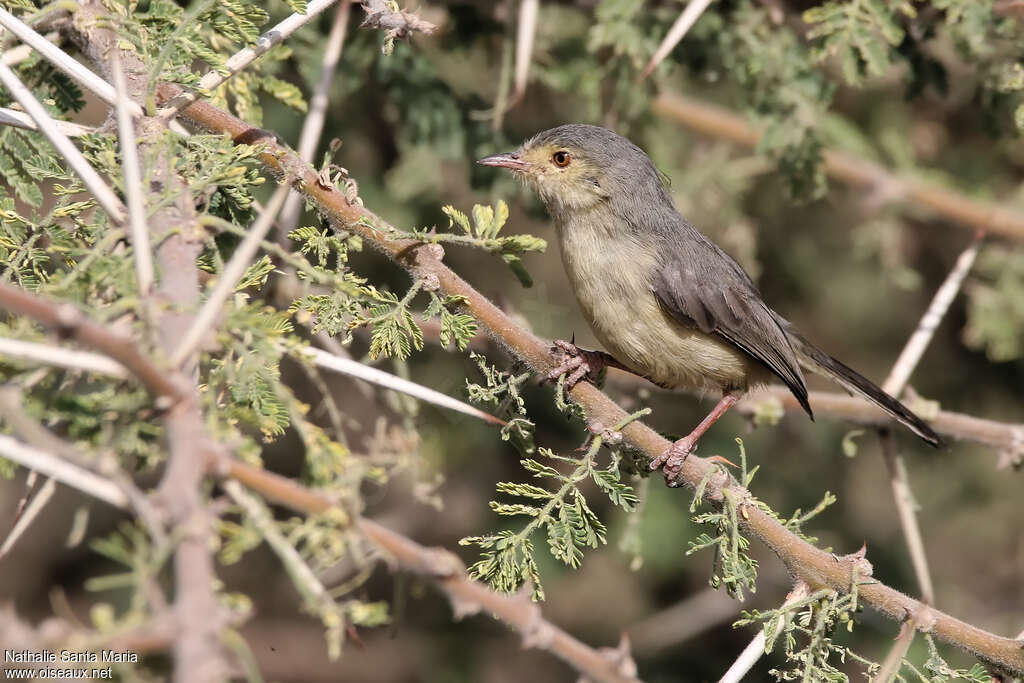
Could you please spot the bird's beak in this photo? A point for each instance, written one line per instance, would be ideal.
(510, 160)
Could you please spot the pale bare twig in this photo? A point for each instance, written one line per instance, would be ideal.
(894, 384)
(19, 119)
(355, 369)
(92, 180)
(906, 508)
(313, 126)
(244, 57)
(62, 60)
(525, 34)
(69, 321)
(922, 335)
(755, 648)
(132, 182)
(53, 466)
(228, 279)
(28, 515)
(687, 18)
(894, 660)
(806, 562)
(19, 54)
(719, 122)
(60, 357)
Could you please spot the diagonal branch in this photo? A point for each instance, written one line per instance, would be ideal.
(718, 122)
(347, 366)
(48, 127)
(687, 18)
(893, 385)
(68, 321)
(447, 573)
(244, 57)
(806, 562)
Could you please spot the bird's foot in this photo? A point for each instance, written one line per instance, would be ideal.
(672, 459)
(575, 363)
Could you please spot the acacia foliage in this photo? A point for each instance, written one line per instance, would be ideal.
(789, 77)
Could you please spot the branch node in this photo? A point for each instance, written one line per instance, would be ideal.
(537, 633)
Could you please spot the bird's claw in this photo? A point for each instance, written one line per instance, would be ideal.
(573, 362)
(672, 459)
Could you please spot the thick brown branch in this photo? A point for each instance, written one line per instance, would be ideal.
(805, 562)
(714, 121)
(447, 572)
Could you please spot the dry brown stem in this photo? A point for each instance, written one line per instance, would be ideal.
(446, 570)
(804, 561)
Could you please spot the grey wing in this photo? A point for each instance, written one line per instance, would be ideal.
(728, 305)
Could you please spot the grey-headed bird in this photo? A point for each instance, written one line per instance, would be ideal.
(664, 300)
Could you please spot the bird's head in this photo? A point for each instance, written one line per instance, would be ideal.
(577, 167)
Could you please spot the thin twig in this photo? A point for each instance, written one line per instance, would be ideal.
(755, 648)
(68, 321)
(680, 28)
(17, 55)
(894, 384)
(525, 33)
(74, 476)
(19, 119)
(353, 368)
(62, 60)
(445, 570)
(922, 336)
(906, 508)
(61, 358)
(244, 57)
(313, 126)
(719, 122)
(894, 660)
(806, 562)
(132, 182)
(1002, 436)
(28, 515)
(228, 278)
(302, 576)
(92, 180)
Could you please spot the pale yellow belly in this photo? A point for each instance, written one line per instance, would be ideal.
(613, 290)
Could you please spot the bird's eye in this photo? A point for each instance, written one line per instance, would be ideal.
(561, 158)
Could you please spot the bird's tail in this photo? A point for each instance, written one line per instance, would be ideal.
(820, 362)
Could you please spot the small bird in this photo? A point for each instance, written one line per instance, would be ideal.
(664, 300)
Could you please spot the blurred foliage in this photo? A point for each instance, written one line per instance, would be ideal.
(930, 89)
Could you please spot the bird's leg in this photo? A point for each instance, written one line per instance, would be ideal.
(671, 461)
(578, 363)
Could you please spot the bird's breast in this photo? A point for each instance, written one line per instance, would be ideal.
(611, 271)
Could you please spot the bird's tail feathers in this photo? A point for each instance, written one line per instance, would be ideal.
(820, 362)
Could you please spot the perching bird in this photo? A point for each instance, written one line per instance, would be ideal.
(665, 301)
